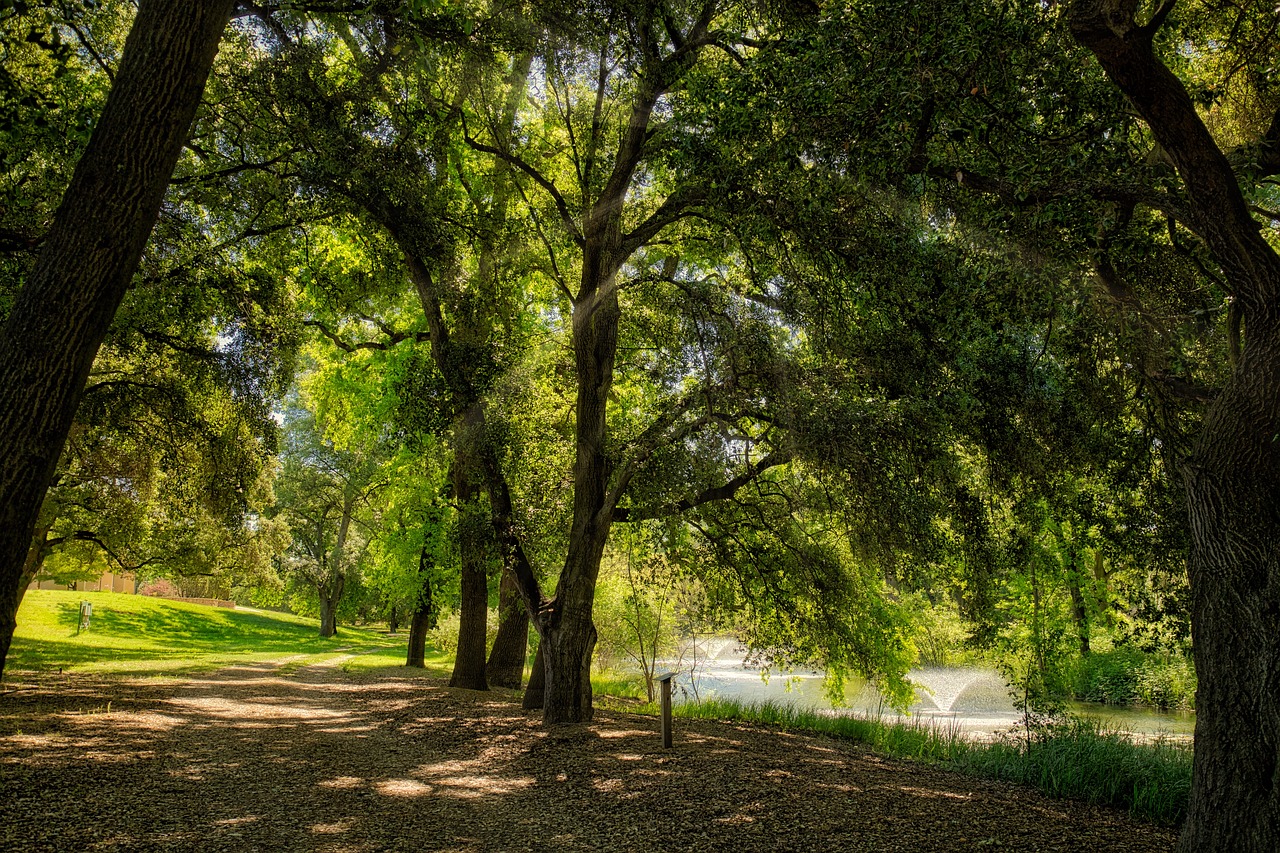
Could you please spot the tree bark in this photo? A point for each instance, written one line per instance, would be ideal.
(535, 693)
(424, 616)
(329, 609)
(469, 663)
(1233, 490)
(1079, 605)
(66, 305)
(506, 658)
(1232, 479)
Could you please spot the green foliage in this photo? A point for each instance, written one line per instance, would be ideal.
(1126, 676)
(644, 604)
(941, 634)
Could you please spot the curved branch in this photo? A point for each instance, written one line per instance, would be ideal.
(538, 178)
(716, 493)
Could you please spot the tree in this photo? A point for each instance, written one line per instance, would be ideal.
(1146, 177)
(1232, 477)
(325, 496)
(88, 257)
(369, 135)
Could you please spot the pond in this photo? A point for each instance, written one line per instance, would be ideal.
(975, 700)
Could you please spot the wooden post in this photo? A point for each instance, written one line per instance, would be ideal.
(665, 681)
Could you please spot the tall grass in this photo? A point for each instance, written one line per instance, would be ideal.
(1081, 760)
(1076, 760)
(912, 739)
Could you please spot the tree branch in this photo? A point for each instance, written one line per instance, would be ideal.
(717, 493)
(674, 208)
(393, 337)
(538, 178)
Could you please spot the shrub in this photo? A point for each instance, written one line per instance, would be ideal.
(1128, 676)
(161, 588)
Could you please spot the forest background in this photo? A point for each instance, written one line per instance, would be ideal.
(865, 332)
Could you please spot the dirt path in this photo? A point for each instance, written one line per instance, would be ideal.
(248, 759)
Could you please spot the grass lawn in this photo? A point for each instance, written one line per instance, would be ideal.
(140, 635)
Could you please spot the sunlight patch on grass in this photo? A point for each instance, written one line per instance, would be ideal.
(140, 635)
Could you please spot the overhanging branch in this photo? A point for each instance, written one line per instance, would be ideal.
(716, 493)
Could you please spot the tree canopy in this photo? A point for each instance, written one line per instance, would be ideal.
(856, 315)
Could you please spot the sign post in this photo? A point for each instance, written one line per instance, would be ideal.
(665, 681)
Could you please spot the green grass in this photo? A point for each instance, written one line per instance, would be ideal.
(1077, 760)
(139, 635)
(438, 664)
(617, 685)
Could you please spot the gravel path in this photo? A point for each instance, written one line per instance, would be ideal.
(319, 760)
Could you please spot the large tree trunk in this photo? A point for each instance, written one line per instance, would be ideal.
(424, 616)
(1233, 489)
(468, 664)
(567, 689)
(567, 631)
(330, 595)
(67, 303)
(1233, 477)
(510, 646)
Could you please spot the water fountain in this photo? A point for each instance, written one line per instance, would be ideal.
(975, 700)
(982, 690)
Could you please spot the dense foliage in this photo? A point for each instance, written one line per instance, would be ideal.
(869, 333)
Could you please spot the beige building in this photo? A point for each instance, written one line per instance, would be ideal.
(109, 582)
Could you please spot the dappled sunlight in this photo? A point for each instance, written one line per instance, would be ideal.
(237, 821)
(402, 788)
(623, 733)
(255, 711)
(342, 783)
(469, 787)
(336, 828)
(319, 763)
(931, 793)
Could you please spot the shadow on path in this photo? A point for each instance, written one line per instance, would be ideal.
(252, 759)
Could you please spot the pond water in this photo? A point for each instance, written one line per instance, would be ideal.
(975, 700)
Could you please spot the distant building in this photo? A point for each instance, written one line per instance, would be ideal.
(126, 582)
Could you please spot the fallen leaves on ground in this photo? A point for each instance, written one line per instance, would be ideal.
(319, 760)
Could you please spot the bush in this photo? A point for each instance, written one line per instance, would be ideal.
(161, 588)
(1130, 677)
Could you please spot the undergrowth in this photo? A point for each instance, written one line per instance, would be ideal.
(1076, 759)
(1128, 677)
